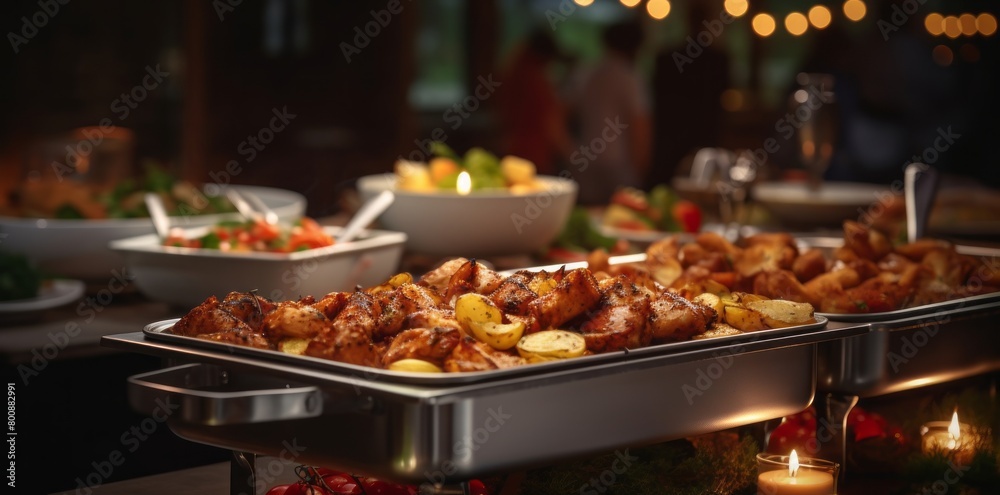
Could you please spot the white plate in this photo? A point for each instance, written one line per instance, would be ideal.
(52, 294)
(794, 205)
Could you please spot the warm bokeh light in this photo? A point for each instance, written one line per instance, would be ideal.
(934, 23)
(951, 27)
(464, 183)
(820, 16)
(855, 10)
(986, 23)
(967, 23)
(763, 24)
(969, 52)
(731, 100)
(942, 55)
(736, 8)
(630, 3)
(796, 23)
(658, 9)
(583, 3)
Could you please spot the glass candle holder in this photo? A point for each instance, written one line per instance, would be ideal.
(778, 475)
(939, 437)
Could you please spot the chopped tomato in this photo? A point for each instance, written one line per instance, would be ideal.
(308, 240)
(688, 215)
(264, 231)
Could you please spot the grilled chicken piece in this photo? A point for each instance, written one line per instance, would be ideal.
(621, 320)
(438, 278)
(241, 335)
(332, 303)
(471, 355)
(433, 318)
(809, 265)
(513, 296)
(576, 293)
(349, 339)
(293, 319)
(781, 284)
(247, 307)
(472, 277)
(397, 304)
(429, 344)
(663, 251)
(212, 321)
(695, 254)
(673, 318)
(867, 243)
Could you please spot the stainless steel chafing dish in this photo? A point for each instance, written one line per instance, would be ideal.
(457, 428)
(905, 349)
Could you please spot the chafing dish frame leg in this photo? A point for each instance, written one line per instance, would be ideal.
(242, 473)
(831, 427)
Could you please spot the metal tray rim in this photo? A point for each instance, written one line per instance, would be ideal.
(924, 310)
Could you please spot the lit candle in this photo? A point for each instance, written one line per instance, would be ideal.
(805, 479)
(464, 183)
(953, 439)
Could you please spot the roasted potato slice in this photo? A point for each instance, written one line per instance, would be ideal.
(392, 283)
(548, 345)
(667, 272)
(718, 330)
(500, 336)
(745, 319)
(778, 313)
(415, 365)
(711, 300)
(476, 308)
(294, 346)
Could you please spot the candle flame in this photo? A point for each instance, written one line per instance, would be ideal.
(464, 183)
(793, 463)
(954, 430)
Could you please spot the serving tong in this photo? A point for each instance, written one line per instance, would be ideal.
(919, 188)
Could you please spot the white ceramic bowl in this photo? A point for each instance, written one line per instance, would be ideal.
(481, 224)
(185, 277)
(793, 204)
(79, 248)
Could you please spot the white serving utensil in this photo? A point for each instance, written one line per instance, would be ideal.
(366, 215)
(158, 214)
(919, 188)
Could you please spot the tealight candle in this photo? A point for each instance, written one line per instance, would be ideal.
(464, 183)
(780, 475)
(951, 438)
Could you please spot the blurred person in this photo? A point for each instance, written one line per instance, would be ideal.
(688, 82)
(614, 114)
(533, 117)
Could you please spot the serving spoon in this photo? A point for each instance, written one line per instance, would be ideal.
(158, 213)
(919, 188)
(366, 215)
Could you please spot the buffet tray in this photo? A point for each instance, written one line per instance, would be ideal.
(447, 431)
(161, 331)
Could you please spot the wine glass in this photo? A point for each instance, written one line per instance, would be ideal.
(814, 114)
